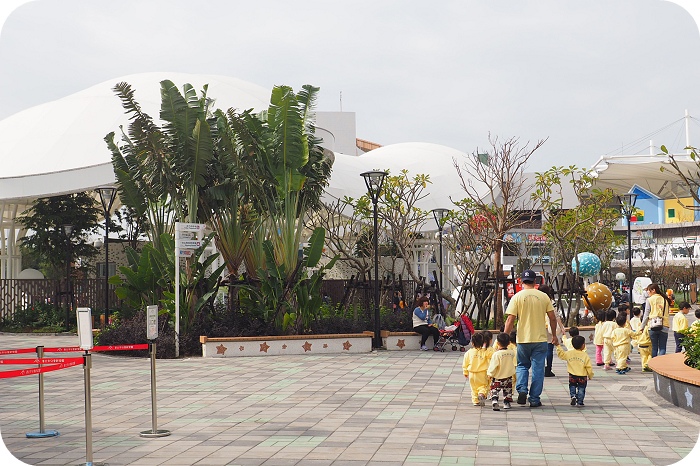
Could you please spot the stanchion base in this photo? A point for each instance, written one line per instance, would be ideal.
(92, 464)
(154, 434)
(46, 433)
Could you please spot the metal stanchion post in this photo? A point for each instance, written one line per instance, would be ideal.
(42, 431)
(87, 364)
(154, 432)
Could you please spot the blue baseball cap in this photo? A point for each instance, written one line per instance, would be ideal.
(528, 276)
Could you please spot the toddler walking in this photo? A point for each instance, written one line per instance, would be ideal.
(573, 331)
(621, 340)
(580, 369)
(644, 346)
(501, 371)
(474, 366)
(598, 340)
(608, 328)
(680, 323)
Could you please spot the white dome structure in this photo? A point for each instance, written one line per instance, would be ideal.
(30, 274)
(416, 157)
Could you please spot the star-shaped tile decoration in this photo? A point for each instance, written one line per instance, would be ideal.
(221, 349)
(306, 346)
(325, 345)
(347, 345)
(284, 346)
(401, 343)
(264, 347)
(241, 348)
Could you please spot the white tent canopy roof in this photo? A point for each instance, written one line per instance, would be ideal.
(58, 147)
(621, 172)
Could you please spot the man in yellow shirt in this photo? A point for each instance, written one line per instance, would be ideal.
(580, 369)
(531, 308)
(680, 322)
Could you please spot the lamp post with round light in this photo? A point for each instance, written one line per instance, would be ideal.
(374, 180)
(627, 202)
(107, 196)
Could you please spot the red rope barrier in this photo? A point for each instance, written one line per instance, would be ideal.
(97, 349)
(40, 360)
(40, 370)
(67, 349)
(121, 347)
(18, 351)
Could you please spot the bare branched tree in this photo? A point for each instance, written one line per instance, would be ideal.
(496, 187)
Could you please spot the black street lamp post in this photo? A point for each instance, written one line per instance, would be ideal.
(68, 292)
(107, 196)
(627, 202)
(439, 216)
(374, 181)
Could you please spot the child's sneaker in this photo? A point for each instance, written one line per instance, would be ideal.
(494, 405)
(581, 405)
(646, 369)
(482, 399)
(607, 368)
(627, 369)
(424, 348)
(573, 401)
(506, 405)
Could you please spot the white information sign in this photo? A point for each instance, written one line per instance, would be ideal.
(181, 226)
(84, 328)
(188, 243)
(152, 322)
(185, 252)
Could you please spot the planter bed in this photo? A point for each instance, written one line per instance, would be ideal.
(676, 382)
(228, 347)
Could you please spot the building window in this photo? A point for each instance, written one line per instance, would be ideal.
(671, 213)
(112, 268)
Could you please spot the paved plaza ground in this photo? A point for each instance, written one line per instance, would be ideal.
(384, 408)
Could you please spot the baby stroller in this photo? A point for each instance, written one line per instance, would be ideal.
(458, 335)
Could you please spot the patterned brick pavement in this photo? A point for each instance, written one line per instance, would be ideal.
(385, 408)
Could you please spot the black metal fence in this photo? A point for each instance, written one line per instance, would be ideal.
(19, 294)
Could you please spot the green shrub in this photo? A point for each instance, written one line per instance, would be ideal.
(40, 317)
(691, 343)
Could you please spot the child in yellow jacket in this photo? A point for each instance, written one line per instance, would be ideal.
(607, 329)
(621, 340)
(580, 369)
(476, 362)
(501, 371)
(680, 323)
(644, 346)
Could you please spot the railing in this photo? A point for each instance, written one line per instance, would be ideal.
(17, 294)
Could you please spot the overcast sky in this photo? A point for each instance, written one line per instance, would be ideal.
(593, 76)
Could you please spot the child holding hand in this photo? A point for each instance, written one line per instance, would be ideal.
(580, 369)
(501, 371)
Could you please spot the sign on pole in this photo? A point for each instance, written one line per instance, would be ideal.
(85, 328)
(184, 247)
(152, 322)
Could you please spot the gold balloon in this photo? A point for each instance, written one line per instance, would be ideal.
(599, 296)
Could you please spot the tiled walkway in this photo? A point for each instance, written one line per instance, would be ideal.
(384, 408)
